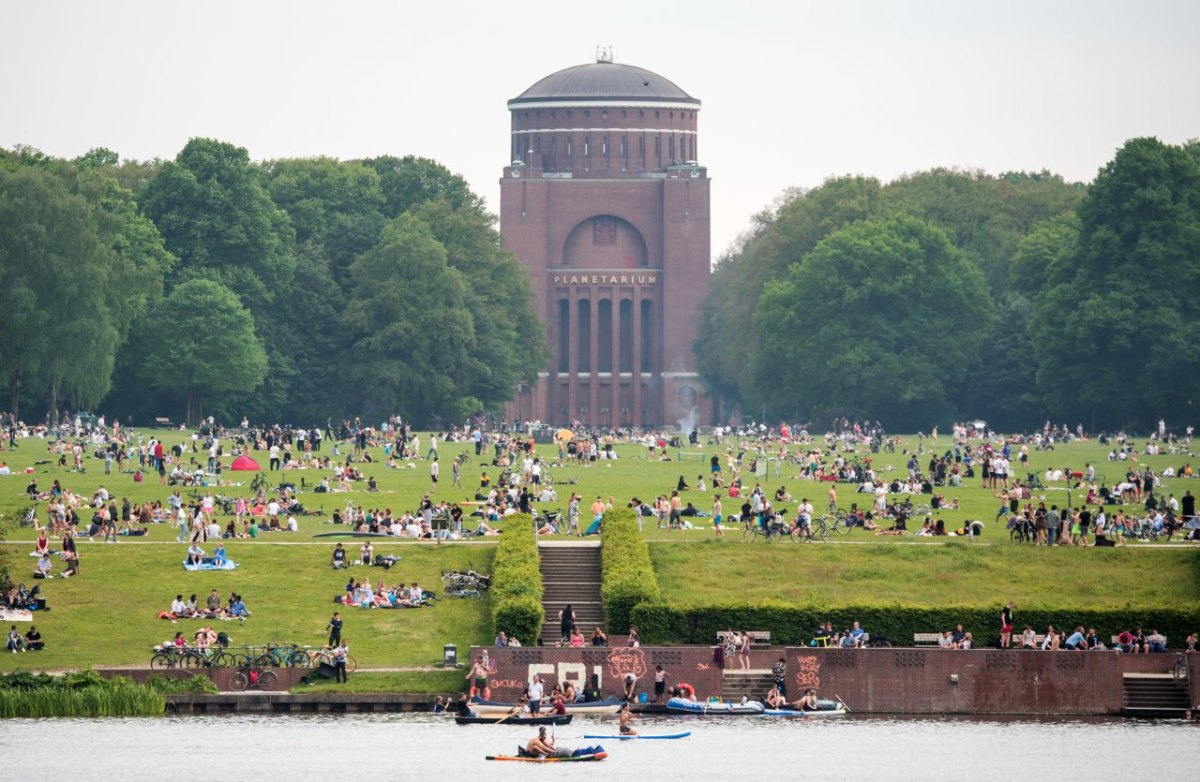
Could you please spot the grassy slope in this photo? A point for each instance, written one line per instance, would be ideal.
(107, 615)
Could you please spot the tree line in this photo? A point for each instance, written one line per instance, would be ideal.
(288, 290)
(950, 294)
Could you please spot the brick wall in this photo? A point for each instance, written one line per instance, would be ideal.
(913, 681)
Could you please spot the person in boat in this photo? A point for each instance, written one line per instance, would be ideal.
(626, 717)
(462, 707)
(541, 745)
(808, 701)
(775, 699)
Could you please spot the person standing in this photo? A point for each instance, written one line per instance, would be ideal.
(660, 683)
(433, 474)
(274, 464)
(717, 516)
(1006, 625)
(779, 674)
(536, 690)
(341, 653)
(335, 629)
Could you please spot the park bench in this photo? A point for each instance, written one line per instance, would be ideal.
(162, 422)
(759, 639)
(926, 639)
(1037, 640)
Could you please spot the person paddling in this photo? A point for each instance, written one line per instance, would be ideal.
(541, 745)
(626, 717)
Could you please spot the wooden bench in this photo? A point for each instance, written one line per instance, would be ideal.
(926, 639)
(1038, 638)
(759, 639)
(162, 422)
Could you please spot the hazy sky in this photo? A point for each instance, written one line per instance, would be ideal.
(793, 92)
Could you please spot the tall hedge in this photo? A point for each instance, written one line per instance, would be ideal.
(627, 576)
(517, 582)
(660, 623)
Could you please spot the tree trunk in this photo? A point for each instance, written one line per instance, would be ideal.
(193, 406)
(16, 394)
(54, 403)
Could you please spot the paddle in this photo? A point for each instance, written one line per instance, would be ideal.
(839, 700)
(511, 713)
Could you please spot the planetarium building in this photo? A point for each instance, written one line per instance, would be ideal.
(607, 208)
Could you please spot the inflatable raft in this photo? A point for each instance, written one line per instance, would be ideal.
(684, 706)
(552, 719)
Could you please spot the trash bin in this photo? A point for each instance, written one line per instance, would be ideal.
(450, 656)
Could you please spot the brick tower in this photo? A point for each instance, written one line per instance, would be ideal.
(608, 210)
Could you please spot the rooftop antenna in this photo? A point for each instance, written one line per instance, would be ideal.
(604, 53)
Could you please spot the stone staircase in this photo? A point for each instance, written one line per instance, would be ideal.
(752, 684)
(571, 576)
(1154, 695)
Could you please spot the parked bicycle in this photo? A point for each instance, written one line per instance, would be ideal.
(251, 677)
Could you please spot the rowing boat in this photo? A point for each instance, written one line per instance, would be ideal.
(495, 708)
(546, 719)
(566, 759)
(681, 735)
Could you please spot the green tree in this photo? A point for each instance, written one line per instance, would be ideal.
(883, 318)
(411, 181)
(510, 343)
(202, 343)
(1112, 330)
(211, 208)
(56, 283)
(411, 334)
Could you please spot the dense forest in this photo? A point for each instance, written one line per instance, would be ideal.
(287, 291)
(949, 294)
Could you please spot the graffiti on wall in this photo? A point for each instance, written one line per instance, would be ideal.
(808, 672)
(626, 660)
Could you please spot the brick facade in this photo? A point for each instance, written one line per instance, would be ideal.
(899, 680)
(608, 212)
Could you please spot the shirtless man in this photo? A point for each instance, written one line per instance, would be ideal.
(626, 717)
(478, 678)
(540, 746)
(807, 701)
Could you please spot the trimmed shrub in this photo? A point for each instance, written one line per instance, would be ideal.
(517, 582)
(627, 575)
(795, 625)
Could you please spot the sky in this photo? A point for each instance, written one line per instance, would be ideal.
(793, 92)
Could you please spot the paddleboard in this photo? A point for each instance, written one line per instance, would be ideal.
(682, 735)
(569, 759)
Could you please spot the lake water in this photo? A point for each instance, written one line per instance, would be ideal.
(402, 747)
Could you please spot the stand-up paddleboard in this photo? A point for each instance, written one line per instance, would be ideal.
(839, 712)
(682, 735)
(566, 759)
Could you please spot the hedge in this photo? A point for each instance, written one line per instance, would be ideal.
(790, 624)
(517, 582)
(627, 576)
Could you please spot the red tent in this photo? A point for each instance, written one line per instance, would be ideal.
(244, 462)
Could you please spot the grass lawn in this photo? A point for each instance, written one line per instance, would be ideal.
(960, 573)
(392, 681)
(107, 615)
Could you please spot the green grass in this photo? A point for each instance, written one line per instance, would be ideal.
(392, 681)
(959, 573)
(107, 615)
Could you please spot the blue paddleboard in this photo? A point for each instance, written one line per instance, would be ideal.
(682, 735)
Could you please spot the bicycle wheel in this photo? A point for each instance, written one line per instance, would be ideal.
(748, 533)
(299, 659)
(265, 660)
(351, 664)
(193, 660)
(229, 660)
(239, 681)
(267, 680)
(841, 526)
(547, 478)
(821, 529)
(161, 661)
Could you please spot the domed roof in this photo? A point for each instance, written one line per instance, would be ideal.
(604, 81)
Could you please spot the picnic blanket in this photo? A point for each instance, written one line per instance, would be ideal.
(15, 615)
(208, 564)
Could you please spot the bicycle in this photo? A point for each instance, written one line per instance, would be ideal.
(770, 530)
(1023, 532)
(282, 656)
(249, 676)
(29, 517)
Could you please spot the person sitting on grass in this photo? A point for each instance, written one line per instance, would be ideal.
(43, 568)
(16, 642)
(219, 558)
(33, 640)
(237, 608)
(195, 554)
